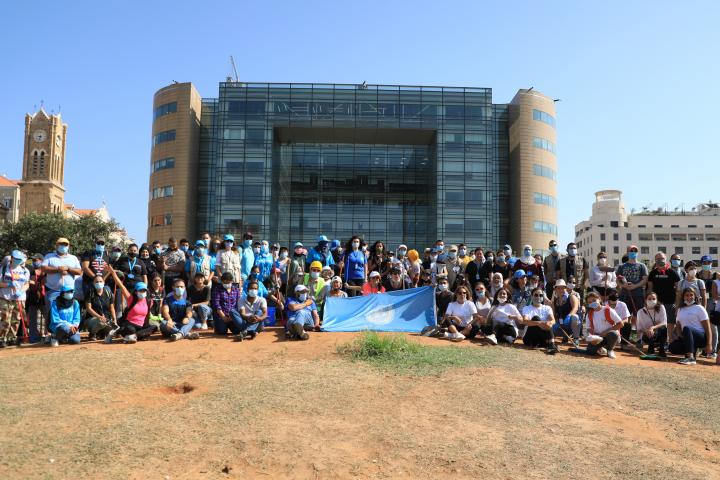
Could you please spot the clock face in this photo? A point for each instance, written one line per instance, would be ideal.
(39, 136)
(58, 141)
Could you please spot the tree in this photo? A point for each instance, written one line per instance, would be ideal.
(37, 233)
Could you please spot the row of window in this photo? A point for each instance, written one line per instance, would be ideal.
(163, 163)
(541, 116)
(544, 143)
(679, 237)
(161, 220)
(161, 192)
(545, 227)
(162, 137)
(165, 109)
(664, 249)
(545, 199)
(674, 226)
(543, 171)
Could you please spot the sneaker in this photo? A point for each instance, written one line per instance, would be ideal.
(239, 337)
(252, 335)
(54, 342)
(3, 344)
(130, 338)
(509, 339)
(175, 337)
(91, 338)
(457, 337)
(297, 329)
(193, 335)
(551, 349)
(687, 361)
(576, 342)
(439, 333)
(602, 351)
(203, 326)
(261, 327)
(304, 335)
(491, 338)
(611, 354)
(428, 331)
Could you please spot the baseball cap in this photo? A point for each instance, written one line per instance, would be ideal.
(322, 238)
(200, 243)
(18, 255)
(140, 286)
(67, 288)
(374, 274)
(62, 240)
(300, 288)
(39, 256)
(99, 239)
(519, 273)
(706, 258)
(298, 244)
(507, 247)
(228, 238)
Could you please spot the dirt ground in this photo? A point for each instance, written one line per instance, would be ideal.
(271, 408)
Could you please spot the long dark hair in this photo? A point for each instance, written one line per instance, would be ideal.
(348, 245)
(657, 306)
(495, 298)
(695, 297)
(373, 249)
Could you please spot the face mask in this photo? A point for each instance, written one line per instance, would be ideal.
(115, 255)
(339, 250)
(691, 272)
(227, 286)
(442, 287)
(37, 264)
(355, 245)
(594, 305)
(17, 261)
(706, 267)
(264, 249)
(179, 291)
(247, 243)
(314, 274)
(632, 255)
(572, 252)
(184, 248)
(553, 249)
(675, 263)
(200, 252)
(537, 300)
(527, 252)
(141, 295)
(256, 250)
(480, 294)
(506, 252)
(252, 293)
(441, 247)
(571, 286)
(502, 300)
(100, 249)
(63, 249)
(145, 256)
(395, 278)
(689, 302)
(99, 286)
(132, 254)
(490, 258)
(364, 248)
(452, 254)
(68, 295)
(651, 303)
(401, 253)
(462, 252)
(433, 258)
(228, 245)
(283, 255)
(302, 297)
(158, 251)
(501, 260)
(602, 261)
(379, 248)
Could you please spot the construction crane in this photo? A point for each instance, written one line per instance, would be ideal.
(232, 62)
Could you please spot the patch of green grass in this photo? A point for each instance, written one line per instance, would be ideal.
(397, 354)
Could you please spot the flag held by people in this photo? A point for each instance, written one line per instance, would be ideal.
(400, 311)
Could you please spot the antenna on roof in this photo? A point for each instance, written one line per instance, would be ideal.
(232, 63)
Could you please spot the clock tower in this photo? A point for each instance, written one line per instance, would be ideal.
(42, 186)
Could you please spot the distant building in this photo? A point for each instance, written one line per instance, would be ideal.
(9, 200)
(610, 229)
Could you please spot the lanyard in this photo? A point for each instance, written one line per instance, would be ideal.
(132, 266)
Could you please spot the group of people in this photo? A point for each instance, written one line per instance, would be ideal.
(236, 288)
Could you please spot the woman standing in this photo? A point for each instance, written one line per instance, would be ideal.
(602, 277)
(356, 266)
(377, 257)
(694, 324)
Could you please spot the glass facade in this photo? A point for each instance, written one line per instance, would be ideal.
(401, 164)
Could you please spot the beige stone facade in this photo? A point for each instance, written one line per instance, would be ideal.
(533, 167)
(173, 162)
(9, 200)
(42, 186)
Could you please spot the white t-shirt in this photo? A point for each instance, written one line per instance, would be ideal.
(483, 308)
(464, 311)
(692, 317)
(544, 312)
(256, 307)
(599, 320)
(646, 317)
(501, 312)
(622, 310)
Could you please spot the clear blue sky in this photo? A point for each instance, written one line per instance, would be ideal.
(637, 79)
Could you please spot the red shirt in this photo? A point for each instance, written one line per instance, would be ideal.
(369, 289)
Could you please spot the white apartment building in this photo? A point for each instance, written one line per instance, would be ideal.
(691, 234)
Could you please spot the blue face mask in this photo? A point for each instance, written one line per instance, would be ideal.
(100, 249)
(158, 251)
(594, 305)
(184, 248)
(179, 291)
(199, 252)
(632, 255)
(675, 263)
(553, 249)
(247, 243)
(17, 261)
(63, 249)
(264, 249)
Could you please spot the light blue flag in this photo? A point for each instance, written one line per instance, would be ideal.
(400, 311)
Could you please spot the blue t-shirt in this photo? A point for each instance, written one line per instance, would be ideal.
(304, 314)
(325, 258)
(355, 265)
(177, 307)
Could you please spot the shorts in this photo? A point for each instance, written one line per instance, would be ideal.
(715, 318)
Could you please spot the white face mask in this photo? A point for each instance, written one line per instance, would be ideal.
(689, 302)
(302, 297)
(314, 274)
(602, 261)
(502, 300)
(227, 286)
(692, 272)
(442, 287)
(651, 303)
(572, 252)
(252, 293)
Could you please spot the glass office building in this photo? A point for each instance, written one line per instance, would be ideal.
(401, 164)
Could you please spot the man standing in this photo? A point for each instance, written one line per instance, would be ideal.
(133, 268)
(631, 279)
(473, 268)
(320, 253)
(14, 282)
(663, 280)
(173, 264)
(247, 259)
(60, 268)
(94, 262)
(573, 266)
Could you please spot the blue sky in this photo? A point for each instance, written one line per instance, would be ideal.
(636, 79)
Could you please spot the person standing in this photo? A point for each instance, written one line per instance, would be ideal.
(631, 278)
(573, 265)
(663, 281)
(94, 262)
(132, 267)
(172, 264)
(247, 259)
(14, 282)
(550, 267)
(356, 266)
(602, 277)
(36, 300)
(60, 268)
(228, 260)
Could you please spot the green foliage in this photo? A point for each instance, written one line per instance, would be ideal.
(37, 233)
(397, 353)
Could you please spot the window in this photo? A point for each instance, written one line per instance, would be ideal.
(234, 134)
(163, 163)
(545, 199)
(679, 250)
(645, 250)
(674, 226)
(679, 237)
(161, 192)
(662, 237)
(545, 227)
(712, 237)
(616, 237)
(614, 224)
(454, 198)
(602, 236)
(616, 249)
(696, 250)
(692, 226)
(544, 143)
(237, 192)
(641, 226)
(8, 203)
(628, 237)
(541, 116)
(603, 248)
(645, 237)
(543, 171)
(658, 226)
(706, 226)
(161, 220)
(713, 250)
(165, 109)
(162, 137)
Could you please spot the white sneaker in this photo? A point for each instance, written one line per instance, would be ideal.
(509, 339)
(491, 338)
(457, 337)
(203, 326)
(602, 351)
(611, 354)
(54, 342)
(447, 335)
(176, 337)
(130, 338)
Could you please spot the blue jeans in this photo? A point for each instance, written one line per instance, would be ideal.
(184, 329)
(693, 339)
(570, 322)
(201, 314)
(241, 324)
(62, 334)
(221, 327)
(303, 317)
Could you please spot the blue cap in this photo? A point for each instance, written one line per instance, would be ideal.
(18, 254)
(519, 273)
(322, 238)
(335, 244)
(529, 274)
(140, 286)
(704, 258)
(228, 238)
(298, 244)
(200, 243)
(67, 288)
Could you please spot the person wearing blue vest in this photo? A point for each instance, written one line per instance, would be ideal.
(320, 253)
(264, 261)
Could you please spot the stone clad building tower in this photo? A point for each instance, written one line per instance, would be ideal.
(42, 186)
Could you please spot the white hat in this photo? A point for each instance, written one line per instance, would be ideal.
(300, 288)
(560, 283)
(374, 274)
